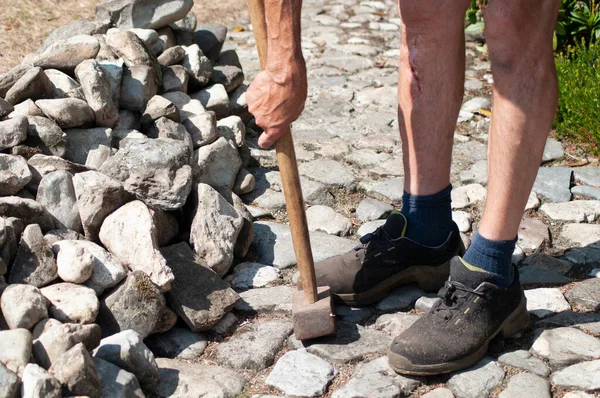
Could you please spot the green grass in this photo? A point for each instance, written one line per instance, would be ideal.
(578, 117)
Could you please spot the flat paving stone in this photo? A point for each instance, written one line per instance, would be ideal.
(391, 190)
(565, 346)
(328, 172)
(266, 300)
(400, 299)
(254, 347)
(533, 276)
(586, 192)
(352, 314)
(533, 233)
(369, 227)
(554, 183)
(273, 244)
(467, 195)
(544, 302)
(300, 373)
(375, 379)
(440, 392)
(395, 324)
(581, 235)
(588, 322)
(533, 202)
(552, 151)
(589, 175)
(576, 211)
(463, 220)
(478, 381)
(350, 343)
(526, 385)
(585, 296)
(372, 209)
(252, 275)
(476, 174)
(524, 360)
(325, 219)
(582, 376)
(544, 261)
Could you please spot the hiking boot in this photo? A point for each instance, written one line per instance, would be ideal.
(457, 331)
(381, 263)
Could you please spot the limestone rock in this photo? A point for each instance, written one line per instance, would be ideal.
(75, 371)
(171, 56)
(217, 165)
(276, 299)
(583, 376)
(140, 83)
(14, 174)
(15, 349)
(71, 303)
(522, 359)
(66, 54)
(377, 378)
(116, 382)
(210, 38)
(202, 128)
(131, 235)
(153, 14)
(67, 112)
(180, 343)
(554, 183)
(127, 351)
(585, 296)
(478, 381)
(38, 383)
(33, 84)
(9, 382)
(137, 304)
(214, 98)
(273, 245)
(57, 194)
(155, 170)
(23, 306)
(96, 87)
(97, 196)
(215, 228)
(251, 275)
(26, 108)
(8, 79)
(41, 165)
(64, 86)
(300, 373)
(244, 182)
(175, 78)
(45, 134)
(187, 106)
(543, 302)
(75, 264)
(13, 131)
(526, 384)
(325, 219)
(565, 346)
(581, 235)
(395, 324)
(179, 379)
(34, 263)
(198, 295)
(328, 172)
(52, 339)
(198, 66)
(371, 209)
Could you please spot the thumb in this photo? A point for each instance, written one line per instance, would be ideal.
(269, 137)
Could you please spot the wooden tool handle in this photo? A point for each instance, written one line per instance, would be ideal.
(288, 168)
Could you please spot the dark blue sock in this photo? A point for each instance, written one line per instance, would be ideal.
(492, 256)
(429, 217)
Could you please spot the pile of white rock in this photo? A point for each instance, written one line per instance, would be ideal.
(123, 152)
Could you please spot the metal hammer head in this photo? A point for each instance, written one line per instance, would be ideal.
(313, 320)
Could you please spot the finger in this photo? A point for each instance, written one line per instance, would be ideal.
(270, 137)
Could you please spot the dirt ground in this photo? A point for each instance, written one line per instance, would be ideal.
(24, 24)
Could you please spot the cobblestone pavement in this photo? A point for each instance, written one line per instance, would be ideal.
(348, 148)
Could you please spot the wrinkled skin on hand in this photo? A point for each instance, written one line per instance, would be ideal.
(276, 99)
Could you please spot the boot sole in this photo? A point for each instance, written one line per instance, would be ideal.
(427, 278)
(516, 322)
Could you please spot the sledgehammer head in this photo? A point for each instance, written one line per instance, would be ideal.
(313, 320)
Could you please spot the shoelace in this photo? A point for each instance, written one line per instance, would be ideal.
(366, 239)
(451, 298)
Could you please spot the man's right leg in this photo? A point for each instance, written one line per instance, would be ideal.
(417, 244)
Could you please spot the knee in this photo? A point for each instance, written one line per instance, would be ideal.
(511, 37)
(432, 13)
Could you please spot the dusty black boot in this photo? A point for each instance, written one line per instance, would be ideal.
(456, 332)
(381, 263)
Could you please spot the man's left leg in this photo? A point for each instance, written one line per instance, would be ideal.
(483, 297)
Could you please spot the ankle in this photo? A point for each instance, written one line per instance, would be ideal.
(493, 257)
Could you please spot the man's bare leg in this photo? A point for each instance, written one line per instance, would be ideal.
(430, 92)
(524, 105)
(430, 89)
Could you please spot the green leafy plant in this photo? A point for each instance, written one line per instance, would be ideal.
(578, 116)
(476, 11)
(577, 20)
